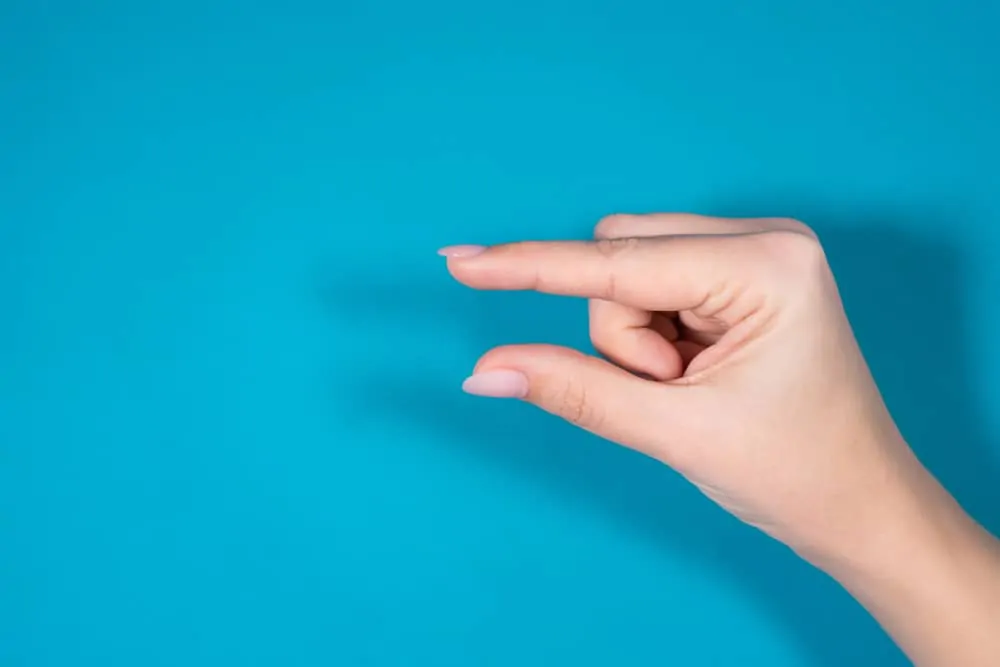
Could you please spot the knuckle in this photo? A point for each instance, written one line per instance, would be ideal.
(798, 226)
(797, 252)
(612, 250)
(575, 406)
(787, 225)
(599, 335)
(613, 247)
(611, 226)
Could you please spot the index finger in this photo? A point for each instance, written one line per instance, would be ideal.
(664, 273)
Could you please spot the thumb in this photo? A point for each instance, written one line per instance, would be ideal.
(585, 391)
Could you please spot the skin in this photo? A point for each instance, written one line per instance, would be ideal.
(728, 356)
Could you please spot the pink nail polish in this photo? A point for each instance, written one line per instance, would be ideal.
(497, 384)
(461, 251)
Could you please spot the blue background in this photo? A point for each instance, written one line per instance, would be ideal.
(231, 431)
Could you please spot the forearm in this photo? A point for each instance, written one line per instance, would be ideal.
(930, 576)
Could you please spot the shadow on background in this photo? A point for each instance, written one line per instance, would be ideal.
(904, 296)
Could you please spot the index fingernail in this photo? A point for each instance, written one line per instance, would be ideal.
(457, 251)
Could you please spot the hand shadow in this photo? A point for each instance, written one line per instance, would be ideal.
(902, 294)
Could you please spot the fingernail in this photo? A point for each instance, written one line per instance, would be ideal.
(497, 384)
(456, 251)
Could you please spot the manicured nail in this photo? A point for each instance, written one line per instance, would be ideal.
(497, 384)
(456, 251)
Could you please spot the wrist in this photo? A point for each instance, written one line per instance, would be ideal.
(927, 571)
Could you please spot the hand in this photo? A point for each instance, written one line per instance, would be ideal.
(756, 389)
(730, 359)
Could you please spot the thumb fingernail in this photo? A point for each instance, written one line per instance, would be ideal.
(497, 384)
(461, 251)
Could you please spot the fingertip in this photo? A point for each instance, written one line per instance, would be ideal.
(646, 352)
(473, 266)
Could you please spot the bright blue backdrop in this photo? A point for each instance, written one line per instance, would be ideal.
(231, 431)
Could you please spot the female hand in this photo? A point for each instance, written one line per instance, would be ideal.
(734, 363)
